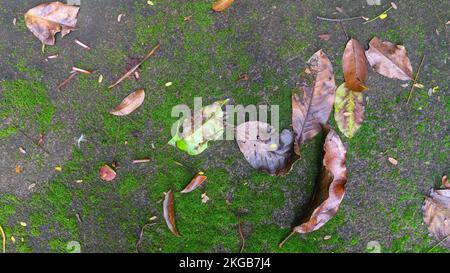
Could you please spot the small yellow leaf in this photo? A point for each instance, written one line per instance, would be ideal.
(58, 168)
(383, 16)
(169, 84)
(418, 85)
(150, 3)
(23, 224)
(13, 239)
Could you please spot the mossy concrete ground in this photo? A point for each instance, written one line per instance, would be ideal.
(204, 56)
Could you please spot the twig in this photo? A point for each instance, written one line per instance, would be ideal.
(439, 243)
(345, 32)
(415, 80)
(241, 235)
(339, 20)
(141, 235)
(4, 239)
(286, 239)
(131, 71)
(32, 140)
(67, 80)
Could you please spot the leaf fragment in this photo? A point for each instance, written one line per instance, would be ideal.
(313, 99)
(393, 161)
(196, 182)
(354, 64)
(389, 60)
(330, 188)
(47, 19)
(130, 103)
(221, 5)
(348, 110)
(265, 149)
(107, 173)
(169, 213)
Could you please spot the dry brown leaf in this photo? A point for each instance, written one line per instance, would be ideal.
(445, 182)
(169, 213)
(436, 213)
(130, 103)
(222, 5)
(354, 64)
(196, 182)
(313, 99)
(47, 19)
(389, 60)
(265, 149)
(330, 188)
(18, 169)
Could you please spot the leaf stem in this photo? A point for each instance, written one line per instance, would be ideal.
(415, 80)
(373, 19)
(286, 239)
(3, 239)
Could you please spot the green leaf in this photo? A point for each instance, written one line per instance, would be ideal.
(194, 140)
(348, 110)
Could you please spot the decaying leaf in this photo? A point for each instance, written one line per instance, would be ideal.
(205, 198)
(205, 125)
(196, 182)
(107, 173)
(354, 64)
(393, 161)
(313, 99)
(436, 214)
(221, 5)
(265, 149)
(169, 213)
(330, 188)
(47, 19)
(348, 110)
(389, 60)
(130, 103)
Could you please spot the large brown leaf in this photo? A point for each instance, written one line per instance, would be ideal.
(47, 19)
(348, 110)
(354, 65)
(436, 214)
(389, 60)
(330, 188)
(313, 99)
(265, 149)
(130, 103)
(169, 213)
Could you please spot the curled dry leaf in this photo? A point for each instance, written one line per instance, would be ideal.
(130, 103)
(196, 182)
(313, 99)
(194, 133)
(265, 149)
(348, 110)
(330, 188)
(389, 60)
(436, 214)
(107, 173)
(47, 19)
(354, 64)
(325, 37)
(169, 213)
(221, 5)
